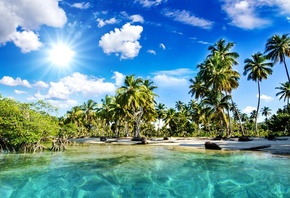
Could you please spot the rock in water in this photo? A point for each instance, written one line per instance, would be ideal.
(212, 146)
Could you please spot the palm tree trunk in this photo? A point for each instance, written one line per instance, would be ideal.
(258, 106)
(239, 117)
(286, 69)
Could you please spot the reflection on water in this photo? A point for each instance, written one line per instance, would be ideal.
(143, 171)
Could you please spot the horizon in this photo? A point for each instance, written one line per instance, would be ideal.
(67, 52)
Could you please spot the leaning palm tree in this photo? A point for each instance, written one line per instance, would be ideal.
(277, 48)
(284, 91)
(257, 69)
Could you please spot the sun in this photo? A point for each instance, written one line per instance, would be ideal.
(61, 55)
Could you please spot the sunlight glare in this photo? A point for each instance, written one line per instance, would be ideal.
(61, 55)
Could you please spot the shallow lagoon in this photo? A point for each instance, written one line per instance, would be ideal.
(144, 171)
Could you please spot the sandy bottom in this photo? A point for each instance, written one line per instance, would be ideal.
(279, 146)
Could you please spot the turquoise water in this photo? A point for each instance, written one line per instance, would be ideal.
(144, 171)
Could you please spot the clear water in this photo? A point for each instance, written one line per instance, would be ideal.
(144, 171)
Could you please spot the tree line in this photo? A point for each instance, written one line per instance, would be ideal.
(133, 111)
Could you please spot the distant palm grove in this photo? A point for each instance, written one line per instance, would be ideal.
(133, 112)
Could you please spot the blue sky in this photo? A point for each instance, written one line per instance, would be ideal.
(105, 40)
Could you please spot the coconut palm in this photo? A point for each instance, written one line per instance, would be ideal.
(257, 69)
(224, 50)
(160, 109)
(277, 48)
(197, 87)
(266, 111)
(89, 108)
(284, 91)
(137, 99)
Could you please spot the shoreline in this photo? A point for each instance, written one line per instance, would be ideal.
(256, 144)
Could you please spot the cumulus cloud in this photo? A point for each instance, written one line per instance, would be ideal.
(151, 52)
(40, 84)
(26, 41)
(81, 5)
(20, 20)
(150, 3)
(119, 78)
(79, 83)
(9, 81)
(137, 18)
(102, 23)
(161, 45)
(186, 17)
(123, 42)
(265, 97)
(249, 109)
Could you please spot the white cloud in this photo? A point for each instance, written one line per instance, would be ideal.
(176, 72)
(9, 81)
(119, 78)
(26, 41)
(123, 42)
(20, 20)
(284, 5)
(265, 97)
(79, 83)
(81, 5)
(186, 17)
(288, 19)
(162, 46)
(102, 23)
(151, 52)
(40, 84)
(244, 13)
(20, 92)
(249, 109)
(203, 42)
(162, 80)
(137, 18)
(150, 3)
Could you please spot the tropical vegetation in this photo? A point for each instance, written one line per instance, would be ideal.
(133, 111)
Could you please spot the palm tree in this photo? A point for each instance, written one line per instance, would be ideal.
(197, 87)
(160, 109)
(277, 48)
(284, 91)
(89, 109)
(137, 99)
(257, 69)
(224, 50)
(179, 105)
(266, 111)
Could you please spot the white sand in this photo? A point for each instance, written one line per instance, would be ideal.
(275, 147)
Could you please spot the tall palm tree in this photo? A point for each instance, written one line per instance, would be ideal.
(284, 91)
(224, 50)
(257, 69)
(277, 48)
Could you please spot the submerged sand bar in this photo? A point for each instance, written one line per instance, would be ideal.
(279, 146)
